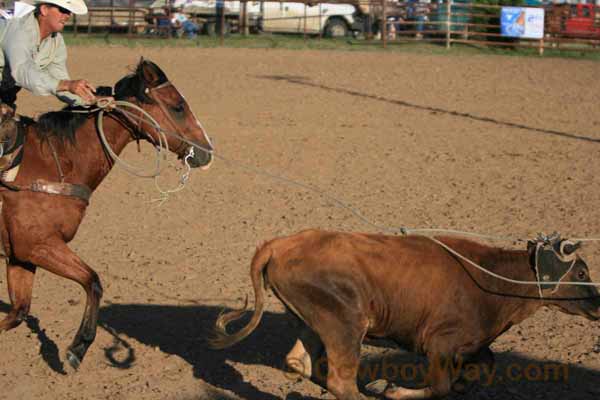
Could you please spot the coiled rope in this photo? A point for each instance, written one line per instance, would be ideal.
(161, 148)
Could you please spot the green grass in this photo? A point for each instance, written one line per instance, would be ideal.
(297, 42)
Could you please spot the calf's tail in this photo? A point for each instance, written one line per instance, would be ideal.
(221, 338)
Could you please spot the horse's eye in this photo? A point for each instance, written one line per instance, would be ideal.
(179, 108)
(581, 275)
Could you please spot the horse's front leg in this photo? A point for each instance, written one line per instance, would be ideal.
(20, 286)
(55, 256)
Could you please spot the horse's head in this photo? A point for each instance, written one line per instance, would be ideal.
(149, 87)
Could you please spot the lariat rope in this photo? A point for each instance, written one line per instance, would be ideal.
(111, 104)
(162, 147)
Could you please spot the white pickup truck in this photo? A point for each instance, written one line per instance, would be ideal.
(331, 20)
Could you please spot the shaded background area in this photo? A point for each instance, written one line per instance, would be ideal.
(503, 146)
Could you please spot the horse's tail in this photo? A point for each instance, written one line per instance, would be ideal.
(221, 338)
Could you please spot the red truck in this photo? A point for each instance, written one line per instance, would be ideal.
(573, 20)
(583, 21)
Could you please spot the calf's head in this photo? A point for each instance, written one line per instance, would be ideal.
(556, 260)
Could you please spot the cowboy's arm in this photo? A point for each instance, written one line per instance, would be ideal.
(66, 89)
(18, 50)
(18, 47)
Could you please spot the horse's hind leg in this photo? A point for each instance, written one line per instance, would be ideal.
(56, 257)
(20, 286)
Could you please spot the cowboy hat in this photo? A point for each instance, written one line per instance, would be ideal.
(75, 6)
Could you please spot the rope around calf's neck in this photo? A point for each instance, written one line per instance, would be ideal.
(504, 278)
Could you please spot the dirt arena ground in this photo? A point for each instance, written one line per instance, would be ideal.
(496, 145)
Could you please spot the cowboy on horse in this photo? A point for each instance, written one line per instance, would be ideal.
(34, 57)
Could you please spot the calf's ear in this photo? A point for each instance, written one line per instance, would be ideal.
(567, 247)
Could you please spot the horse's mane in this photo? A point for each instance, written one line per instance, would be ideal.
(63, 124)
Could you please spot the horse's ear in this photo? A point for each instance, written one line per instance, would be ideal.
(149, 73)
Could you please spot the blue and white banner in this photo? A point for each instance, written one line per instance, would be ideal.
(523, 22)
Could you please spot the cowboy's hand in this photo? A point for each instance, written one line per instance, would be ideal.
(81, 88)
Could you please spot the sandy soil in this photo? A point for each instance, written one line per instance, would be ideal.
(504, 146)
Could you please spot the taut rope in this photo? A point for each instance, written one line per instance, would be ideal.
(395, 230)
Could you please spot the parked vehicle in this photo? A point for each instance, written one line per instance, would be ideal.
(155, 17)
(574, 20)
(207, 14)
(331, 20)
(583, 21)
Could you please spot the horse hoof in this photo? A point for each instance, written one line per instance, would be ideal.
(377, 387)
(73, 360)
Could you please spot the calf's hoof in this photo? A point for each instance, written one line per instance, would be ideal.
(300, 365)
(377, 387)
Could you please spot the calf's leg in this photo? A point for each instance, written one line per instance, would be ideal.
(440, 376)
(342, 336)
(342, 368)
(482, 363)
(20, 287)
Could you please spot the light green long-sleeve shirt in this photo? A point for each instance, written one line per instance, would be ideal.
(35, 65)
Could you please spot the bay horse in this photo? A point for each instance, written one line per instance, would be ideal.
(63, 162)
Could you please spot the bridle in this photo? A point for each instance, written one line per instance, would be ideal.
(137, 118)
(183, 149)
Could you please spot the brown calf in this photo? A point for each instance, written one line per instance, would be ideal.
(410, 289)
